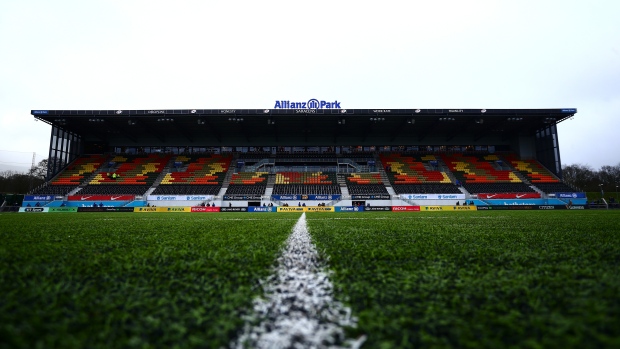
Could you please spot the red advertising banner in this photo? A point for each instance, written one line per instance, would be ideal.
(509, 196)
(405, 208)
(101, 197)
(205, 209)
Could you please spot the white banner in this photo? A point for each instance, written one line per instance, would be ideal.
(432, 196)
(34, 209)
(180, 197)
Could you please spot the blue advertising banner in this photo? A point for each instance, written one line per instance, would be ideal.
(38, 198)
(306, 197)
(349, 208)
(261, 209)
(570, 195)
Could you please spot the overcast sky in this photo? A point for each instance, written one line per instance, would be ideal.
(247, 54)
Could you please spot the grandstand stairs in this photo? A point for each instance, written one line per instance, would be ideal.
(271, 181)
(384, 177)
(525, 180)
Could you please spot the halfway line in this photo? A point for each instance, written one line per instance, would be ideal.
(298, 309)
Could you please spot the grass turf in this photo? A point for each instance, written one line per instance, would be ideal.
(458, 279)
(128, 280)
(477, 280)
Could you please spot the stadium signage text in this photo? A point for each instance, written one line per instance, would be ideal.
(242, 197)
(349, 208)
(38, 198)
(377, 208)
(381, 111)
(100, 197)
(205, 209)
(155, 112)
(570, 195)
(509, 196)
(433, 196)
(455, 110)
(405, 208)
(371, 197)
(311, 104)
(34, 209)
(261, 209)
(179, 197)
(234, 209)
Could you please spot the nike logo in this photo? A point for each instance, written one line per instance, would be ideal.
(115, 197)
(85, 197)
(520, 196)
(491, 196)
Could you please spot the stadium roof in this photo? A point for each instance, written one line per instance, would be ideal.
(212, 127)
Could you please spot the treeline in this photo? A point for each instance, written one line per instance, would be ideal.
(587, 179)
(14, 182)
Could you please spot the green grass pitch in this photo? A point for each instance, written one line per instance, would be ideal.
(435, 280)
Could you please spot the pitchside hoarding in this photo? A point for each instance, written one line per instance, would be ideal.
(205, 209)
(34, 209)
(405, 208)
(306, 209)
(99, 198)
(432, 196)
(306, 197)
(509, 196)
(179, 197)
(38, 198)
(349, 208)
(448, 208)
(261, 209)
(570, 195)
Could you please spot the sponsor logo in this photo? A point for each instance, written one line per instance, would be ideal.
(234, 209)
(577, 208)
(491, 196)
(546, 207)
(381, 111)
(115, 197)
(155, 112)
(323, 209)
(176, 209)
(455, 110)
(146, 209)
(38, 112)
(290, 209)
(311, 104)
(520, 195)
(262, 209)
(34, 209)
(85, 197)
(432, 208)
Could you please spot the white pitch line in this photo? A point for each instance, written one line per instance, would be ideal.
(298, 309)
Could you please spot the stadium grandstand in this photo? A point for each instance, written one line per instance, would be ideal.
(339, 157)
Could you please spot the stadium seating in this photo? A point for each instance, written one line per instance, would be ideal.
(532, 170)
(81, 168)
(478, 175)
(185, 189)
(114, 189)
(132, 170)
(195, 175)
(48, 189)
(365, 183)
(412, 169)
(558, 187)
(312, 183)
(199, 170)
(247, 183)
(413, 174)
(470, 169)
